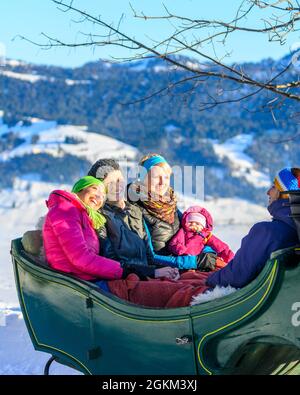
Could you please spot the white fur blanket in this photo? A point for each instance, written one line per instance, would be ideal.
(217, 292)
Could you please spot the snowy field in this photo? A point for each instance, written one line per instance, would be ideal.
(52, 139)
(17, 355)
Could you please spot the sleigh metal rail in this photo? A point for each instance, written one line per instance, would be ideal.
(95, 332)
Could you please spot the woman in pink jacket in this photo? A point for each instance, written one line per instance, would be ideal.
(69, 233)
(196, 233)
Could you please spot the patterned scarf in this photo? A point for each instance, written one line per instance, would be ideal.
(162, 207)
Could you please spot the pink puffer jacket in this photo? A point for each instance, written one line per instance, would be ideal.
(71, 244)
(186, 242)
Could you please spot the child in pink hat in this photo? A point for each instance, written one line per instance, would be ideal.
(196, 233)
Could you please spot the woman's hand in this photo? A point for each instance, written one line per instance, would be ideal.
(169, 272)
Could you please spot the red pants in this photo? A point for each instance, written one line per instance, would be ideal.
(160, 292)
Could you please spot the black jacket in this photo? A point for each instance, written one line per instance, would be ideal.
(161, 231)
(124, 239)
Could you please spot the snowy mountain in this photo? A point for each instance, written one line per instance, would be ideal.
(106, 97)
(43, 150)
(58, 140)
(242, 165)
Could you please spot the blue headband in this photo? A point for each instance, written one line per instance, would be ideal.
(153, 161)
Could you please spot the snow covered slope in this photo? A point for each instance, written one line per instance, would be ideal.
(57, 140)
(17, 355)
(241, 164)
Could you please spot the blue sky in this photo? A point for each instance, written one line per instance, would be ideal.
(30, 18)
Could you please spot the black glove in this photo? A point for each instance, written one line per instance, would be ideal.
(142, 271)
(206, 261)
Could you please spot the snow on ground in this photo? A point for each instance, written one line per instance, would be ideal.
(77, 82)
(33, 78)
(242, 164)
(13, 63)
(65, 139)
(24, 204)
(17, 355)
(23, 76)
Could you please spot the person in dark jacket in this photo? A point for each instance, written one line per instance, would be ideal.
(124, 237)
(264, 237)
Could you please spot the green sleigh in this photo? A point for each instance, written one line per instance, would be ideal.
(255, 330)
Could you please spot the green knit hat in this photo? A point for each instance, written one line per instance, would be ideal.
(85, 182)
(97, 218)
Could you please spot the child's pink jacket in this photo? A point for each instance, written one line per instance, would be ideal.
(186, 242)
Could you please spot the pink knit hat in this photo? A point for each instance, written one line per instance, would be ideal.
(196, 217)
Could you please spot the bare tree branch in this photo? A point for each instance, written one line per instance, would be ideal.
(284, 19)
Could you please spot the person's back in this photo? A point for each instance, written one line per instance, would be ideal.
(264, 237)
